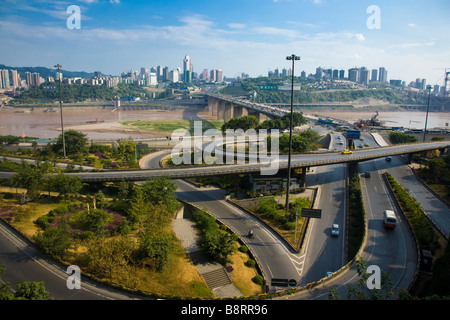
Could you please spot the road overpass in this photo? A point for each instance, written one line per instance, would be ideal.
(226, 108)
(297, 161)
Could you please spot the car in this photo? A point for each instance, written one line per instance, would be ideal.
(367, 174)
(388, 158)
(335, 230)
(346, 151)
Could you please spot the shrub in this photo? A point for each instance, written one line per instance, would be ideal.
(289, 225)
(258, 279)
(243, 249)
(250, 263)
(42, 222)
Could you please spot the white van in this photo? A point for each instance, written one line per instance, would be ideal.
(390, 219)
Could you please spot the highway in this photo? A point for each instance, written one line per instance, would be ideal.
(394, 252)
(276, 258)
(298, 161)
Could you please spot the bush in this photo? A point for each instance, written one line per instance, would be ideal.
(243, 249)
(42, 222)
(258, 279)
(250, 263)
(289, 225)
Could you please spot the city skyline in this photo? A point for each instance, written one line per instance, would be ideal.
(249, 36)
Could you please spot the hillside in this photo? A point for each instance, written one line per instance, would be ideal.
(47, 72)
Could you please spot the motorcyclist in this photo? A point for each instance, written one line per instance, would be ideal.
(250, 233)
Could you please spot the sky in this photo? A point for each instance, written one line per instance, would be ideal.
(411, 38)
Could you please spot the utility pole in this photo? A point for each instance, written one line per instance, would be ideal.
(60, 110)
(292, 57)
(428, 106)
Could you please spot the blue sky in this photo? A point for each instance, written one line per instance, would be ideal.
(251, 36)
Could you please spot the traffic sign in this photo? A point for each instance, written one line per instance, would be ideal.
(311, 213)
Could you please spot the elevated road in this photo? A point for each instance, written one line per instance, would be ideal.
(298, 161)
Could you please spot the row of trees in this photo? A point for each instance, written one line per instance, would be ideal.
(49, 92)
(397, 137)
(44, 177)
(250, 122)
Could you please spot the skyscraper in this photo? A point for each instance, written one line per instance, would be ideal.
(374, 77)
(4, 79)
(187, 69)
(382, 77)
(354, 74)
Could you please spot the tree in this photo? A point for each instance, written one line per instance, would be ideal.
(54, 241)
(29, 178)
(154, 249)
(244, 123)
(25, 291)
(28, 290)
(138, 206)
(65, 184)
(161, 191)
(219, 245)
(75, 143)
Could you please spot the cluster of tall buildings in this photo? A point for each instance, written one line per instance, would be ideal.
(357, 75)
(160, 74)
(10, 79)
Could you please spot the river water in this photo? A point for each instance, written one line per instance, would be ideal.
(47, 124)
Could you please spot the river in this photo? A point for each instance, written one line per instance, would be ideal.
(47, 124)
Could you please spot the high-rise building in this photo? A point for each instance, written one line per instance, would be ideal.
(354, 74)
(212, 76)
(187, 69)
(364, 75)
(205, 74)
(374, 77)
(335, 74)
(4, 79)
(219, 77)
(28, 79)
(15, 79)
(382, 77)
(341, 74)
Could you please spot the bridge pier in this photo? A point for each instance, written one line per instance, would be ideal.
(228, 112)
(213, 106)
(240, 111)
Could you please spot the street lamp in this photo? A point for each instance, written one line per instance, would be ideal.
(292, 57)
(428, 106)
(60, 109)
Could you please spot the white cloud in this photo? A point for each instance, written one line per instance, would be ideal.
(237, 25)
(412, 25)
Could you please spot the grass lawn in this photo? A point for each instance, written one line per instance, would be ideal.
(170, 125)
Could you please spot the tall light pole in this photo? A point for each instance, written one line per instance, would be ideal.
(292, 57)
(428, 106)
(60, 110)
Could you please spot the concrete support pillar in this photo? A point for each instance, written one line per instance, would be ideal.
(221, 110)
(228, 114)
(261, 117)
(240, 111)
(303, 178)
(213, 105)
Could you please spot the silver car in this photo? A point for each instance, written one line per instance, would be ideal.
(335, 230)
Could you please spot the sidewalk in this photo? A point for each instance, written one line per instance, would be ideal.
(215, 275)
